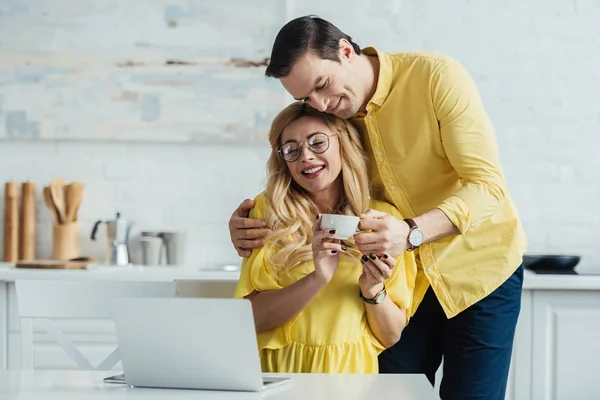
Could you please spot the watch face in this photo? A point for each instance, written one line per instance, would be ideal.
(416, 237)
(380, 297)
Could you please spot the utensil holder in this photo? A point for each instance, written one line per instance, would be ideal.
(65, 241)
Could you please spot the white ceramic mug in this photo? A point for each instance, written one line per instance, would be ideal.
(345, 225)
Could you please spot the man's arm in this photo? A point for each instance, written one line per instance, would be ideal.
(246, 233)
(469, 140)
(434, 225)
(470, 145)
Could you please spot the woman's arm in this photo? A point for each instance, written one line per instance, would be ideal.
(385, 319)
(273, 308)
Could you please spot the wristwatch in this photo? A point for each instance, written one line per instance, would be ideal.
(377, 299)
(415, 235)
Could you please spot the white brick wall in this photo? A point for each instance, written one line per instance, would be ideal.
(156, 186)
(538, 67)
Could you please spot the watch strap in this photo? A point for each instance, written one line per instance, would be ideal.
(372, 301)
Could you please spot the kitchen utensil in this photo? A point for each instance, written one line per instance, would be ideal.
(65, 241)
(11, 222)
(73, 196)
(151, 250)
(27, 222)
(175, 247)
(117, 233)
(47, 196)
(58, 198)
(151, 233)
(551, 263)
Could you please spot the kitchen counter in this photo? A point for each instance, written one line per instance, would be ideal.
(588, 280)
(9, 273)
(559, 319)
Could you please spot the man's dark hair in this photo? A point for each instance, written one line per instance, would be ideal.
(300, 35)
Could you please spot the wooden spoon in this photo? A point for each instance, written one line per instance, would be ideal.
(58, 198)
(74, 196)
(50, 204)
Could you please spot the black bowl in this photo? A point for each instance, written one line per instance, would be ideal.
(551, 263)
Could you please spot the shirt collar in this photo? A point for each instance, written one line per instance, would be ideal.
(384, 80)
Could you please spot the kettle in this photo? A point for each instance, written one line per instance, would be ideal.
(117, 233)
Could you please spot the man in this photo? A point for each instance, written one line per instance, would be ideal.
(433, 154)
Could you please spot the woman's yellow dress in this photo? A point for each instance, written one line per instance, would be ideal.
(331, 335)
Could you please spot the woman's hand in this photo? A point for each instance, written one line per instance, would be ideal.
(326, 252)
(375, 271)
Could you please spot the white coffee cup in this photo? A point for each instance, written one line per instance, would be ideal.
(344, 225)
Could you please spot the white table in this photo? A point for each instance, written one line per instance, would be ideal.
(66, 385)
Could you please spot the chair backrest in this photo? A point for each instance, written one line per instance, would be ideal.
(45, 299)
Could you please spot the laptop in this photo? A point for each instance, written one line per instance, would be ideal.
(189, 343)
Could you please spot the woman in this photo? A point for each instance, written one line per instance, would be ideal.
(318, 304)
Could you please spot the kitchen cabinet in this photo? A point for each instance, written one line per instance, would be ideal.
(566, 345)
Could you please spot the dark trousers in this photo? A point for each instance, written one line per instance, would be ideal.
(476, 344)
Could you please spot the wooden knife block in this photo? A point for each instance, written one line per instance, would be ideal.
(65, 241)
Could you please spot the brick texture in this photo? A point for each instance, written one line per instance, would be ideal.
(536, 64)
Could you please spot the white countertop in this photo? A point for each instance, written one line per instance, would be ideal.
(66, 385)
(119, 273)
(9, 273)
(533, 281)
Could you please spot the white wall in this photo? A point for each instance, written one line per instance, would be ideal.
(538, 67)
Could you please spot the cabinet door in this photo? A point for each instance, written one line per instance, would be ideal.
(566, 345)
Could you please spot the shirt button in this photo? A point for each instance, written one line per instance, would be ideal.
(393, 187)
(430, 270)
(380, 154)
(370, 117)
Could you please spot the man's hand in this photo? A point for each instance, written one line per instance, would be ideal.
(246, 234)
(387, 234)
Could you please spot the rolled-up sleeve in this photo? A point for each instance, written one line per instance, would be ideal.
(470, 144)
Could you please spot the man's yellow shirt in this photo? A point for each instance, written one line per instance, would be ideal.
(431, 145)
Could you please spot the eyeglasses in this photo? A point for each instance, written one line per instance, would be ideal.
(318, 143)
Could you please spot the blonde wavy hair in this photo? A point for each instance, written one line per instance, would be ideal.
(291, 211)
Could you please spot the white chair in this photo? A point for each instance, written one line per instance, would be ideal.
(45, 299)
